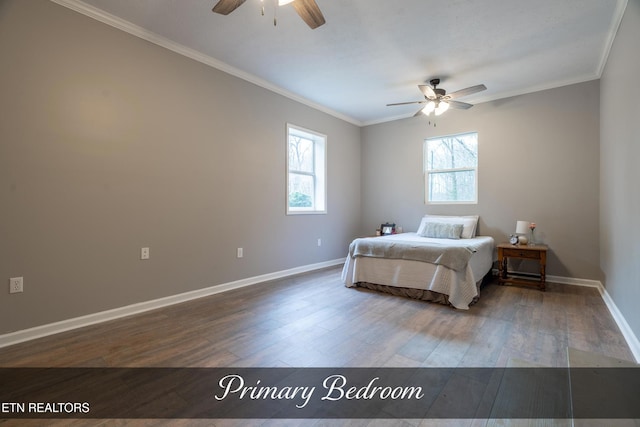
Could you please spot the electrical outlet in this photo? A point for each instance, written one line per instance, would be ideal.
(144, 253)
(16, 285)
(240, 253)
(319, 242)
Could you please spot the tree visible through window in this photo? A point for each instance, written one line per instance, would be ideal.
(306, 177)
(451, 169)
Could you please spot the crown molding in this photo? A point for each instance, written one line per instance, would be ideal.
(621, 6)
(140, 32)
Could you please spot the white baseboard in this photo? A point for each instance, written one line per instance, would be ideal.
(116, 313)
(627, 332)
(573, 281)
(103, 316)
(629, 336)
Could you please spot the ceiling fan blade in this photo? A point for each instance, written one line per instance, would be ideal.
(459, 105)
(406, 103)
(309, 12)
(225, 7)
(465, 92)
(428, 92)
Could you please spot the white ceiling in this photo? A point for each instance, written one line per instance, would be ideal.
(374, 52)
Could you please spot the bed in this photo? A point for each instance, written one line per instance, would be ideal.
(444, 261)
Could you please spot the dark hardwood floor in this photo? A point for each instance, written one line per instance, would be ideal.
(313, 320)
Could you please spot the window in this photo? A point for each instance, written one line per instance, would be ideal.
(306, 171)
(451, 169)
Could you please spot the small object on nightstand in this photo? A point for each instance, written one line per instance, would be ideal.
(388, 228)
(513, 239)
(522, 228)
(532, 227)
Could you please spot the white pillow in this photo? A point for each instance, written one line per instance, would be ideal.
(469, 223)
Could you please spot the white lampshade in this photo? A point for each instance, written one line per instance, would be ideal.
(442, 107)
(428, 108)
(522, 227)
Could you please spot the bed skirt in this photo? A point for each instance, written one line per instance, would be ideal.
(419, 294)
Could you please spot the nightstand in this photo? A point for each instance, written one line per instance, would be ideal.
(533, 252)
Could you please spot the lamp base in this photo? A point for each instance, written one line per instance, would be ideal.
(522, 240)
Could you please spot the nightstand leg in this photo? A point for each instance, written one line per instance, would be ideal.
(543, 270)
(503, 268)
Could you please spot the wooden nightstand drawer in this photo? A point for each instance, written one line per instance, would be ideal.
(521, 253)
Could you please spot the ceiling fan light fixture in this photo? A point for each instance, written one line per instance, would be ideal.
(428, 108)
(437, 100)
(441, 108)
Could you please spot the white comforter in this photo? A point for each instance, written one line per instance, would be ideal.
(459, 286)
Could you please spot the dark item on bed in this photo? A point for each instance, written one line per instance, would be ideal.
(387, 228)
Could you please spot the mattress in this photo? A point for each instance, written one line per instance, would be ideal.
(460, 287)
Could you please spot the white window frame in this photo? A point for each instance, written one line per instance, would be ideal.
(428, 172)
(319, 173)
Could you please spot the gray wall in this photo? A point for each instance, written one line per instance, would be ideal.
(109, 143)
(620, 169)
(538, 161)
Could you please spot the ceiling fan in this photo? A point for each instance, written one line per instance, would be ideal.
(438, 101)
(307, 9)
